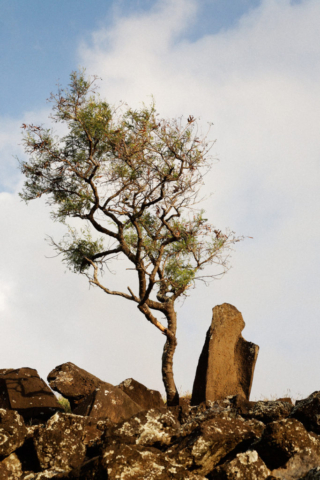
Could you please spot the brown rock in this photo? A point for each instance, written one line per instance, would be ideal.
(282, 440)
(134, 462)
(207, 445)
(12, 431)
(59, 443)
(10, 468)
(246, 466)
(227, 361)
(23, 390)
(141, 395)
(307, 411)
(72, 382)
(109, 402)
(297, 466)
(154, 427)
(268, 412)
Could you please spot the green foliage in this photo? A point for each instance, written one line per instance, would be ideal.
(65, 404)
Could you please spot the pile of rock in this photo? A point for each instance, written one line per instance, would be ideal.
(126, 432)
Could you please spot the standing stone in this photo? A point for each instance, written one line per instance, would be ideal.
(227, 361)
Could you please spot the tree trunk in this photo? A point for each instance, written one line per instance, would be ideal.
(167, 358)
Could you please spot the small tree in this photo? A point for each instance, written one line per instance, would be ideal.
(130, 176)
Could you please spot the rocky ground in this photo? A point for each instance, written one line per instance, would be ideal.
(126, 432)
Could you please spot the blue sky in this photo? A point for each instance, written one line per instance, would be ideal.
(250, 67)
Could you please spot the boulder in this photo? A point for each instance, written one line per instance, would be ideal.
(208, 444)
(109, 402)
(59, 443)
(23, 390)
(270, 411)
(10, 468)
(227, 361)
(134, 462)
(141, 395)
(313, 474)
(12, 431)
(246, 466)
(283, 439)
(73, 382)
(307, 411)
(154, 427)
(297, 466)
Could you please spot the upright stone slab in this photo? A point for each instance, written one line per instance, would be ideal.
(227, 361)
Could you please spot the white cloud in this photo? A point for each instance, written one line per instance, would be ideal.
(259, 83)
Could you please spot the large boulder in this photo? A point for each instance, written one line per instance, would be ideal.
(227, 361)
(12, 431)
(307, 411)
(73, 382)
(141, 395)
(283, 439)
(23, 390)
(208, 444)
(109, 402)
(246, 466)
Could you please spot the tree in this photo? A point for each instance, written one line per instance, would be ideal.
(135, 179)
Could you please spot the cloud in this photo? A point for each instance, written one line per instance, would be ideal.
(259, 83)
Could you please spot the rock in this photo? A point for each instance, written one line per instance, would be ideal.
(297, 466)
(227, 361)
(23, 390)
(246, 466)
(212, 441)
(73, 382)
(307, 411)
(313, 474)
(141, 395)
(268, 412)
(109, 402)
(10, 468)
(134, 462)
(59, 444)
(282, 440)
(154, 427)
(12, 431)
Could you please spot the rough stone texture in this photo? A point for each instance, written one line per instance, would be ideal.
(134, 462)
(282, 440)
(72, 382)
(307, 411)
(23, 390)
(297, 467)
(59, 444)
(10, 468)
(212, 441)
(12, 431)
(246, 466)
(313, 474)
(109, 402)
(268, 412)
(141, 395)
(227, 361)
(154, 427)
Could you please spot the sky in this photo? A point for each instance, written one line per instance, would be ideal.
(252, 67)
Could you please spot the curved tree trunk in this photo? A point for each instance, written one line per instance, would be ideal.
(167, 358)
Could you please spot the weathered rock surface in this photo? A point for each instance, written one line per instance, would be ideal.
(313, 474)
(10, 468)
(270, 411)
(23, 390)
(297, 466)
(155, 427)
(212, 441)
(141, 395)
(12, 431)
(73, 382)
(283, 439)
(227, 361)
(307, 411)
(110, 402)
(247, 466)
